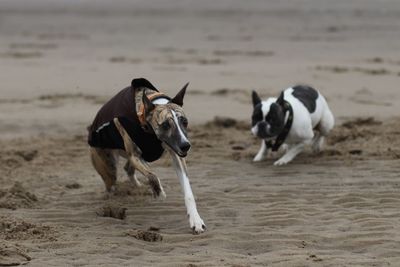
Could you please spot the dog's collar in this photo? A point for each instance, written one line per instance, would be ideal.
(280, 139)
(141, 113)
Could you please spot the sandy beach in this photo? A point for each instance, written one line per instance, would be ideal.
(61, 60)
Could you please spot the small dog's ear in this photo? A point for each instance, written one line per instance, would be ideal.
(256, 99)
(275, 108)
(178, 99)
(281, 100)
(277, 115)
(148, 105)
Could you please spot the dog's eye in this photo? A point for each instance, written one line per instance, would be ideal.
(183, 121)
(165, 125)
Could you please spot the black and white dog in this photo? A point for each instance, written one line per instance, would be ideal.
(299, 117)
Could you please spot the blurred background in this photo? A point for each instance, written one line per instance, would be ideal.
(60, 60)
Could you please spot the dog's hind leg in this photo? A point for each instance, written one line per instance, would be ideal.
(104, 161)
(318, 142)
(196, 223)
(130, 171)
(324, 127)
(136, 161)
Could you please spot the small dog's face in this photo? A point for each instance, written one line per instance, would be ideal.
(169, 123)
(268, 119)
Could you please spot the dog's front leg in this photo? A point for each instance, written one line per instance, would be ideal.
(262, 153)
(195, 221)
(135, 159)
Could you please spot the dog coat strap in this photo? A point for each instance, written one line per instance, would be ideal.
(285, 132)
(141, 113)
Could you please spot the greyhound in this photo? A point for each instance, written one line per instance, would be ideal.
(140, 123)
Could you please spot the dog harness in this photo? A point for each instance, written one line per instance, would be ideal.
(128, 107)
(280, 139)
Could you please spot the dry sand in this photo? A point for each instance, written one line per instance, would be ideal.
(60, 60)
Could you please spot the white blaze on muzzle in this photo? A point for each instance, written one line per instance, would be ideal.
(178, 126)
(254, 129)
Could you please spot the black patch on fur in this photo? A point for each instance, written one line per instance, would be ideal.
(307, 95)
(142, 82)
(286, 128)
(276, 119)
(257, 114)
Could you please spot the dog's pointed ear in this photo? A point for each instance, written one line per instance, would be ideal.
(148, 105)
(281, 101)
(275, 108)
(277, 115)
(256, 99)
(178, 99)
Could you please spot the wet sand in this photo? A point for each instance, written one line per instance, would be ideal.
(61, 61)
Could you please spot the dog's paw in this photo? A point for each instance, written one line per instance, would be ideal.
(156, 187)
(317, 147)
(108, 194)
(258, 158)
(162, 195)
(281, 162)
(318, 144)
(196, 224)
(159, 194)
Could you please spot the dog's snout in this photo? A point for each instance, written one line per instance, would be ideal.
(262, 124)
(262, 130)
(185, 147)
